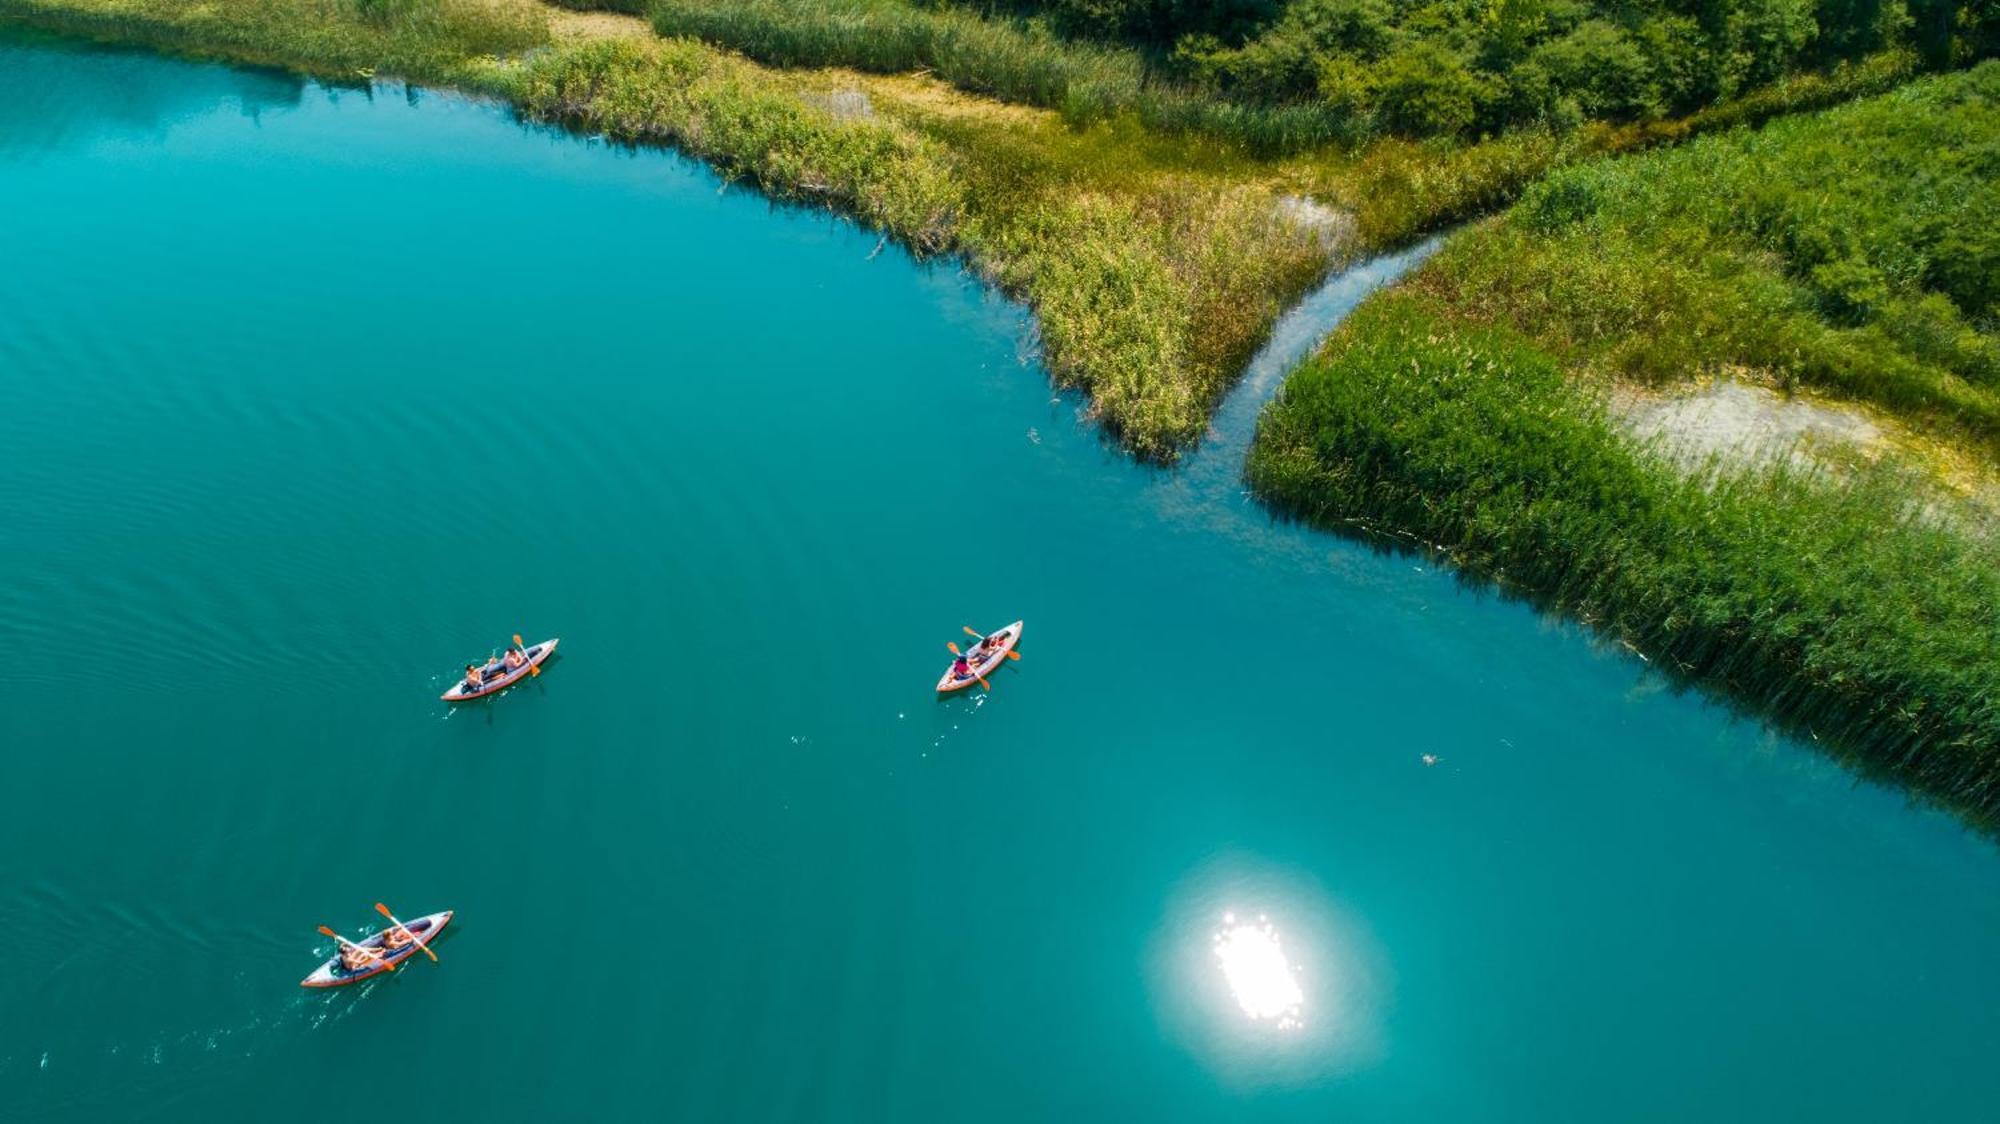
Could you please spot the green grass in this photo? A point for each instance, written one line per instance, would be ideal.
(1856, 251)
(1402, 189)
(683, 94)
(1853, 249)
(1010, 60)
(429, 40)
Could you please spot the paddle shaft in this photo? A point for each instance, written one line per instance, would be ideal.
(421, 946)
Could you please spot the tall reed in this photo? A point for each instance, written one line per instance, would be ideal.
(1839, 608)
(991, 55)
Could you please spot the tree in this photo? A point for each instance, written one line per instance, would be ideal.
(1425, 90)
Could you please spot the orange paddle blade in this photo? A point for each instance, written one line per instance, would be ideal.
(984, 685)
(952, 646)
(974, 635)
(329, 932)
(384, 911)
(1012, 654)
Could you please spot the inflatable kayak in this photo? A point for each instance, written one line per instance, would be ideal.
(495, 676)
(985, 665)
(331, 974)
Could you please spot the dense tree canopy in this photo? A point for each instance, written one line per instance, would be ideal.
(1453, 67)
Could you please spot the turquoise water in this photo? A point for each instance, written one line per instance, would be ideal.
(312, 395)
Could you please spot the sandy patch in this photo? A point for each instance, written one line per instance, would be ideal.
(1741, 423)
(1736, 421)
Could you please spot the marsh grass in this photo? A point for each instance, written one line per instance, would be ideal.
(680, 93)
(1840, 609)
(1853, 251)
(991, 55)
(427, 40)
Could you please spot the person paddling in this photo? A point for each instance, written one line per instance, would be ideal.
(395, 938)
(473, 682)
(354, 958)
(514, 659)
(960, 669)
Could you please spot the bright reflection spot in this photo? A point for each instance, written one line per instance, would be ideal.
(1253, 962)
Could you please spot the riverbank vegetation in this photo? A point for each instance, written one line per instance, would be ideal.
(1472, 412)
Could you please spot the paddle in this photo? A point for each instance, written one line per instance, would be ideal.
(421, 946)
(983, 684)
(1011, 653)
(368, 952)
(533, 671)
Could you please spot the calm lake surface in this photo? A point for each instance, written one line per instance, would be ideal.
(307, 396)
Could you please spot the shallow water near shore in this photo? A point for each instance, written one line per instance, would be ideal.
(313, 395)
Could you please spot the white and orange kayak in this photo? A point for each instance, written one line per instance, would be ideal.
(495, 677)
(986, 664)
(332, 974)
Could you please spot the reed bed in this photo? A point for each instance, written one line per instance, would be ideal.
(683, 94)
(428, 40)
(994, 56)
(1838, 608)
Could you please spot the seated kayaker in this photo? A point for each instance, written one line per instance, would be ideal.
(473, 682)
(988, 645)
(393, 939)
(514, 659)
(960, 669)
(354, 958)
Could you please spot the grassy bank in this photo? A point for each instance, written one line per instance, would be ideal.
(1853, 249)
(428, 40)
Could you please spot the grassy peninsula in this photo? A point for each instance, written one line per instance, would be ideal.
(1846, 259)
(1793, 196)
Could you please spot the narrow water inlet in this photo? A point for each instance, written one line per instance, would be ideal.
(1218, 463)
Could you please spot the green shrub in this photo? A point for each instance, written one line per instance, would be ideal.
(1426, 90)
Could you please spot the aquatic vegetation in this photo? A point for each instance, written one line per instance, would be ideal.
(681, 93)
(1461, 414)
(425, 39)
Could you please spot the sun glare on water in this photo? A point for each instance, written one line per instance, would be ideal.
(1254, 965)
